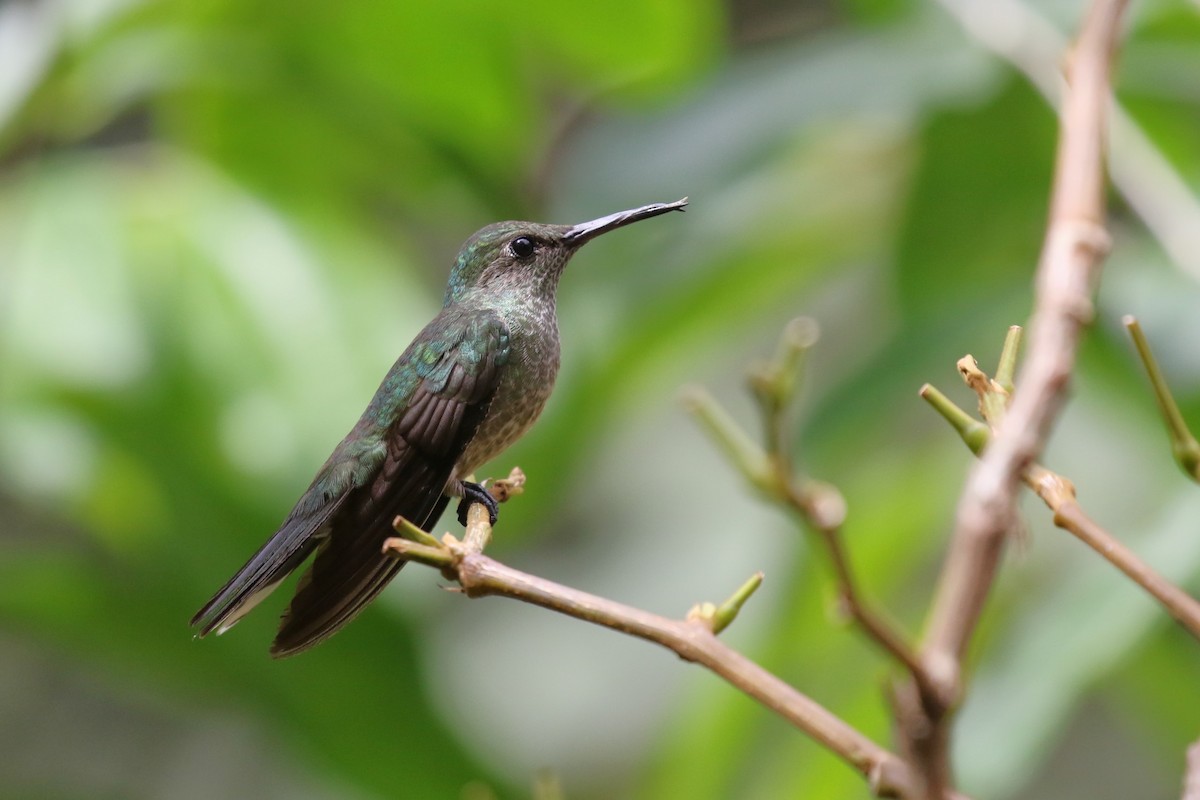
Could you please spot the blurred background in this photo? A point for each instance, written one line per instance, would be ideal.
(220, 222)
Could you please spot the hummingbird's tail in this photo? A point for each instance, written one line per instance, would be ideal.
(347, 574)
(266, 569)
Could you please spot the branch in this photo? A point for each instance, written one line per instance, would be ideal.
(1075, 245)
(1069, 516)
(1058, 493)
(692, 640)
(815, 505)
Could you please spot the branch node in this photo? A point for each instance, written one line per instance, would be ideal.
(703, 614)
(506, 488)
(824, 505)
(1092, 239)
(1054, 489)
(993, 398)
(945, 678)
(887, 778)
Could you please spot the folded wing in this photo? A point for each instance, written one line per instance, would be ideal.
(396, 462)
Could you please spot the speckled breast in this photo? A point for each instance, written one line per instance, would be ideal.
(525, 385)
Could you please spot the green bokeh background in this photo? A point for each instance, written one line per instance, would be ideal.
(220, 221)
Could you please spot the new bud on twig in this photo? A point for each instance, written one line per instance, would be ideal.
(748, 457)
(1184, 447)
(973, 432)
(718, 618)
(1007, 367)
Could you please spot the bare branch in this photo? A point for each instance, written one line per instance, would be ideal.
(694, 641)
(816, 506)
(1069, 516)
(1074, 248)
(1058, 493)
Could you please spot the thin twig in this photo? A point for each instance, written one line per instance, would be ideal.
(817, 506)
(821, 509)
(850, 600)
(1184, 447)
(1058, 493)
(694, 641)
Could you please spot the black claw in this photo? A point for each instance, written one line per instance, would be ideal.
(474, 493)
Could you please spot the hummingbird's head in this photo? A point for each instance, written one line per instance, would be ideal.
(531, 255)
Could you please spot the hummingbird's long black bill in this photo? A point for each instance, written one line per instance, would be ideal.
(584, 231)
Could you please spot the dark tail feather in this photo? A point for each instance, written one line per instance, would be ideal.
(347, 574)
(284, 551)
(241, 594)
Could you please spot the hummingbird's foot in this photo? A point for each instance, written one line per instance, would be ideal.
(475, 493)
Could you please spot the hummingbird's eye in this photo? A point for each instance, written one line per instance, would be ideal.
(522, 247)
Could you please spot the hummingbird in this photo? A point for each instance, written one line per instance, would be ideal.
(469, 385)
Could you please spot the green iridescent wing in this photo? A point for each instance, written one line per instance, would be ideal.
(396, 462)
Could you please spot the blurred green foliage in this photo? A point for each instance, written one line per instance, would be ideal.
(220, 221)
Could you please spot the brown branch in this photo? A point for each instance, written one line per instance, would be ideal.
(1059, 495)
(817, 507)
(1075, 245)
(692, 640)
(1071, 256)
(813, 511)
